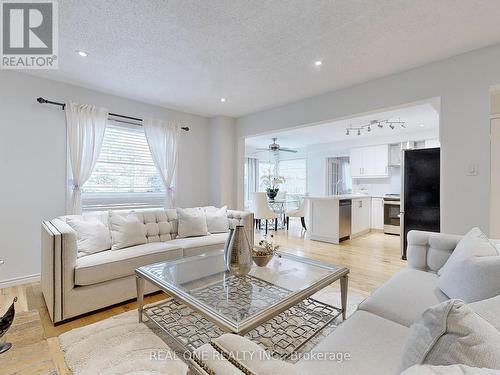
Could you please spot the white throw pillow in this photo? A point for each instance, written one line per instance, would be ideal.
(126, 230)
(450, 333)
(192, 222)
(217, 221)
(475, 243)
(92, 236)
(472, 279)
(489, 310)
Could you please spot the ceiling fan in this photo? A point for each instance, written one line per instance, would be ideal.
(276, 147)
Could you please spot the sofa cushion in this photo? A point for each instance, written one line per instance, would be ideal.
(92, 236)
(109, 265)
(192, 222)
(474, 244)
(198, 245)
(374, 346)
(489, 310)
(449, 333)
(472, 279)
(217, 220)
(126, 230)
(405, 296)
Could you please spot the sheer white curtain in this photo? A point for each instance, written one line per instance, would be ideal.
(163, 139)
(85, 132)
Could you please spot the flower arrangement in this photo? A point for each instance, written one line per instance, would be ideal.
(263, 253)
(272, 183)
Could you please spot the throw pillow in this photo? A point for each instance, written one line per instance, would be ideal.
(192, 222)
(450, 333)
(489, 310)
(472, 279)
(92, 236)
(449, 370)
(474, 243)
(217, 221)
(126, 230)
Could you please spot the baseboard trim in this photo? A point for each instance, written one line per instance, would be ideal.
(19, 281)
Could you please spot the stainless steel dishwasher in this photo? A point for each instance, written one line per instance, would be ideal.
(344, 219)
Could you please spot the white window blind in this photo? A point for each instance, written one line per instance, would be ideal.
(125, 176)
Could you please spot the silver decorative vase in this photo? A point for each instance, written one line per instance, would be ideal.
(226, 245)
(239, 256)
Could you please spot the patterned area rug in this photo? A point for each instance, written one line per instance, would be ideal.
(121, 345)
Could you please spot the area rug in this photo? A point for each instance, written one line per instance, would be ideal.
(121, 345)
(116, 346)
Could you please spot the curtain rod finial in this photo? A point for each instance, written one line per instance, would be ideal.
(41, 100)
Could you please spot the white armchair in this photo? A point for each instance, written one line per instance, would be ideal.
(261, 210)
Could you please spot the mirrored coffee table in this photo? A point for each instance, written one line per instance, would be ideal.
(239, 304)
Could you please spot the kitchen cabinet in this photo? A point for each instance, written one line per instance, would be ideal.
(360, 216)
(377, 213)
(369, 162)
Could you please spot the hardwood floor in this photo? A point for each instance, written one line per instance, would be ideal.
(372, 259)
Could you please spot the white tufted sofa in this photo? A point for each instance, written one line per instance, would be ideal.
(73, 286)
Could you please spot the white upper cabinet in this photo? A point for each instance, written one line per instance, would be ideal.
(370, 162)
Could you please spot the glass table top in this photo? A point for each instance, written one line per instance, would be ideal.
(241, 303)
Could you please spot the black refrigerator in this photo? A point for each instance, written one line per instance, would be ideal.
(420, 192)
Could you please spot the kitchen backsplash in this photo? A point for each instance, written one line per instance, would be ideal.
(379, 186)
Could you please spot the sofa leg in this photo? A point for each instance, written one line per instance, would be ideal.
(303, 221)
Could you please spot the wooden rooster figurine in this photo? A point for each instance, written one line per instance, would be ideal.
(5, 323)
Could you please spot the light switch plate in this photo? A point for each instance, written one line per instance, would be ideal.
(472, 170)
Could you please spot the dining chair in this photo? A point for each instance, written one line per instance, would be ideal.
(261, 210)
(299, 212)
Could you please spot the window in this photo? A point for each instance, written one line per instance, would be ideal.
(251, 177)
(339, 179)
(294, 172)
(125, 176)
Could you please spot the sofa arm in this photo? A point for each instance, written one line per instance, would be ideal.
(59, 253)
(429, 251)
(242, 218)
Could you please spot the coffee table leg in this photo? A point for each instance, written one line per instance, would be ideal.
(343, 295)
(139, 282)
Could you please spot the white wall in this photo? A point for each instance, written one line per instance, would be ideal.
(33, 161)
(462, 83)
(222, 172)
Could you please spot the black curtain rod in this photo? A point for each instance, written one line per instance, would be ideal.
(62, 105)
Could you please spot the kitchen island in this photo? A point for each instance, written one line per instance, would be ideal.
(338, 217)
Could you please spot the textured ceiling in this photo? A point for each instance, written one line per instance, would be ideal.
(187, 54)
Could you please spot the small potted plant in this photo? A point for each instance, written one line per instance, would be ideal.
(263, 253)
(271, 183)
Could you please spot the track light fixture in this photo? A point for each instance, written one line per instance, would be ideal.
(379, 123)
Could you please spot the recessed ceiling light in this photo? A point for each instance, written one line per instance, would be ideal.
(223, 100)
(421, 125)
(82, 53)
(318, 63)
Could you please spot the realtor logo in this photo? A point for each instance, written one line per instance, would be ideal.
(29, 34)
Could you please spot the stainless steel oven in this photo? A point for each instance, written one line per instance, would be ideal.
(392, 214)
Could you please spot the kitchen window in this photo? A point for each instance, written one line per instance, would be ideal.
(125, 176)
